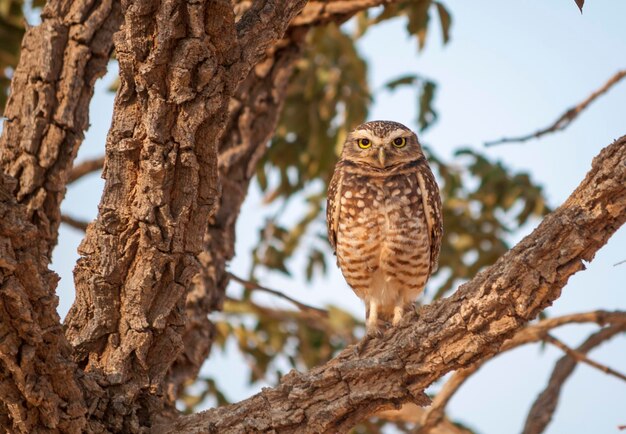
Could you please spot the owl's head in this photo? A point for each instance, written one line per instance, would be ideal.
(381, 144)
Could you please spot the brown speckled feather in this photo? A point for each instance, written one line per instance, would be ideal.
(332, 207)
(431, 200)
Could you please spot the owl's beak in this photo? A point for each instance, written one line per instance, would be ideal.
(382, 157)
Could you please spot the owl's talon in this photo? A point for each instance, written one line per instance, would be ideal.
(384, 326)
(360, 346)
(375, 333)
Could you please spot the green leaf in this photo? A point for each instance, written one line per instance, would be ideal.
(427, 114)
(445, 20)
(418, 15)
(401, 81)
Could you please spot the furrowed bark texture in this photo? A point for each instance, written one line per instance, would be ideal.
(253, 114)
(46, 114)
(48, 109)
(179, 66)
(450, 334)
(39, 388)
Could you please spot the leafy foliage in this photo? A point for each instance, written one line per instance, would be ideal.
(483, 202)
(426, 95)
(417, 14)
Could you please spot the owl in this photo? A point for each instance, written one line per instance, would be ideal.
(384, 219)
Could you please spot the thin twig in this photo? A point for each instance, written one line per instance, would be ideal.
(413, 414)
(620, 262)
(566, 118)
(580, 357)
(253, 286)
(544, 406)
(85, 168)
(76, 224)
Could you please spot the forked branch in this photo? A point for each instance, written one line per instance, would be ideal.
(544, 406)
(582, 358)
(529, 334)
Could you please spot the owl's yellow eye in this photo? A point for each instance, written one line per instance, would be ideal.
(364, 143)
(399, 142)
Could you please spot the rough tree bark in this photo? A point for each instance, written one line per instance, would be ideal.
(180, 64)
(449, 334)
(46, 115)
(48, 109)
(253, 114)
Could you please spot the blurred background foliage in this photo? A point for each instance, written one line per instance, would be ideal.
(329, 94)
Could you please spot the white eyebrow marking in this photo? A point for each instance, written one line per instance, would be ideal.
(367, 134)
(398, 132)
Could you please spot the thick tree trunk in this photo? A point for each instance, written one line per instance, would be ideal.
(463, 329)
(178, 71)
(48, 109)
(253, 114)
(47, 112)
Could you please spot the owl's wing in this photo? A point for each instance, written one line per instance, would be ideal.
(431, 200)
(333, 206)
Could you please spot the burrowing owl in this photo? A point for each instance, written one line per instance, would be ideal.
(384, 219)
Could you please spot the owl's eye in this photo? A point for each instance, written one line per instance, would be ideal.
(399, 142)
(364, 143)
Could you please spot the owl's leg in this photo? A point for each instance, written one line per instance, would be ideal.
(371, 324)
(398, 313)
(372, 318)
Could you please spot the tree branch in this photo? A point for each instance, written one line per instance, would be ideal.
(41, 390)
(253, 114)
(566, 118)
(413, 414)
(255, 286)
(76, 224)
(180, 64)
(449, 334)
(258, 29)
(544, 406)
(580, 357)
(434, 415)
(323, 12)
(85, 168)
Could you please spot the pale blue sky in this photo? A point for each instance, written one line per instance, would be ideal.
(510, 68)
